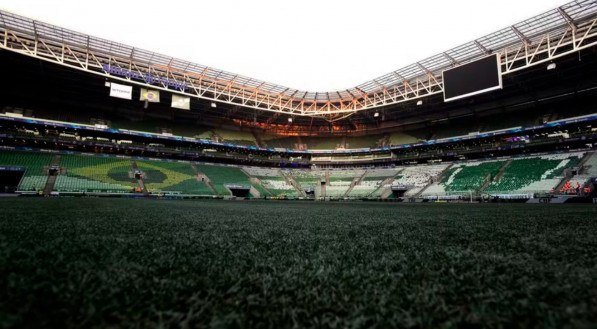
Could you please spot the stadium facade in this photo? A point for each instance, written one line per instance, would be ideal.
(508, 116)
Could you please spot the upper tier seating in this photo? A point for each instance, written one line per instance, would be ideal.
(158, 126)
(280, 142)
(323, 143)
(172, 178)
(36, 165)
(400, 138)
(368, 141)
(183, 125)
(236, 137)
(90, 173)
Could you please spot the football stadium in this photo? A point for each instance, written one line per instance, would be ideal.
(143, 190)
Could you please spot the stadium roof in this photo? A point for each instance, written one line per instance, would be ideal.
(535, 40)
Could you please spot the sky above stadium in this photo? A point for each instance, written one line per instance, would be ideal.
(313, 45)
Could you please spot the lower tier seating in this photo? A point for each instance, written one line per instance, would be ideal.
(172, 178)
(35, 164)
(533, 174)
(97, 173)
(465, 178)
(222, 176)
(278, 187)
(91, 173)
(415, 178)
(272, 181)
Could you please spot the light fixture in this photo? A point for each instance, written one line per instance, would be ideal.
(376, 114)
(289, 120)
(214, 105)
(419, 103)
(551, 66)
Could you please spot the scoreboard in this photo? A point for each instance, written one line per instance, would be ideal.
(473, 78)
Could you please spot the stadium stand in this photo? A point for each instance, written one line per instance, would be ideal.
(368, 141)
(305, 178)
(415, 178)
(222, 176)
(235, 137)
(89, 173)
(533, 174)
(465, 178)
(535, 125)
(323, 143)
(160, 126)
(340, 181)
(584, 174)
(36, 165)
(172, 178)
(273, 141)
(502, 177)
(272, 181)
(365, 188)
(371, 182)
(399, 138)
(455, 127)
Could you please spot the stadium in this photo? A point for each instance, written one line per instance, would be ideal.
(139, 189)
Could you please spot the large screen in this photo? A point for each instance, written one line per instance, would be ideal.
(472, 78)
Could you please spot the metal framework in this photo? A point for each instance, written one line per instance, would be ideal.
(558, 32)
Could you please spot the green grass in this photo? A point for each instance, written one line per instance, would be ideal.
(97, 263)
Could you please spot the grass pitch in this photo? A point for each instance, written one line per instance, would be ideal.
(143, 263)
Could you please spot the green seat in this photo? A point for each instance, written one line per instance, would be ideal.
(35, 164)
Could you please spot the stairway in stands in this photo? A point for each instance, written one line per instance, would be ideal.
(207, 181)
(387, 191)
(292, 182)
(355, 181)
(51, 178)
(257, 188)
(489, 179)
(324, 186)
(439, 178)
(140, 180)
(258, 139)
